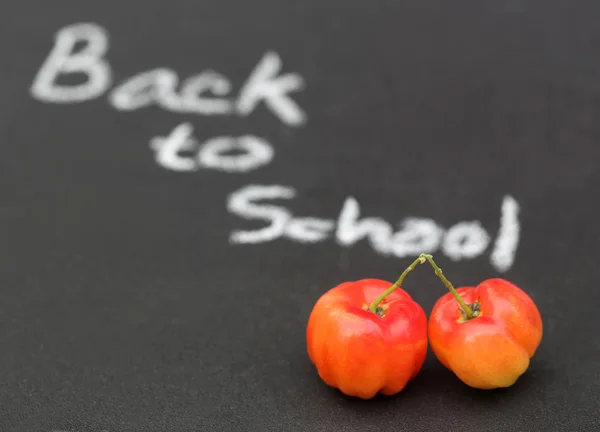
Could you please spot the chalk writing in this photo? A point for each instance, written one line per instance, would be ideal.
(62, 60)
(255, 151)
(505, 248)
(464, 240)
(416, 236)
(159, 86)
(264, 84)
(209, 93)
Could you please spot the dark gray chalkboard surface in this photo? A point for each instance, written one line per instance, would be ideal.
(181, 180)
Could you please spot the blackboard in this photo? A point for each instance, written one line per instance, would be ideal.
(181, 181)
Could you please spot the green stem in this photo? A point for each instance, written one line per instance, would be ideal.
(398, 283)
(438, 271)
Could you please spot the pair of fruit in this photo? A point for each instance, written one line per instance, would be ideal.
(370, 336)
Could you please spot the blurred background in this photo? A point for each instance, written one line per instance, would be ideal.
(181, 181)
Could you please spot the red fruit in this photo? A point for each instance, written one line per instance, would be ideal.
(489, 337)
(367, 337)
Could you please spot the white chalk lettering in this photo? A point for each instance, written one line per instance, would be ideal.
(465, 240)
(415, 237)
(159, 87)
(193, 89)
(62, 60)
(145, 89)
(243, 203)
(206, 93)
(81, 49)
(167, 149)
(256, 153)
(308, 229)
(350, 229)
(264, 84)
(252, 152)
(503, 255)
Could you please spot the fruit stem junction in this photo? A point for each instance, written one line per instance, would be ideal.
(375, 305)
(468, 311)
